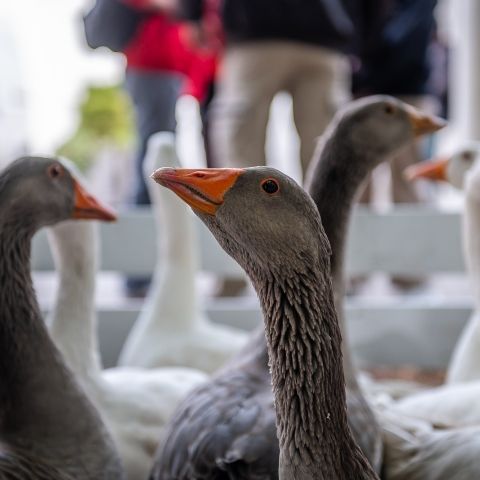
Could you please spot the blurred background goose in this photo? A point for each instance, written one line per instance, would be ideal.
(45, 412)
(448, 168)
(362, 135)
(417, 450)
(172, 328)
(464, 365)
(413, 448)
(457, 402)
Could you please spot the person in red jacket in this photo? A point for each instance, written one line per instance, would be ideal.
(164, 60)
(162, 64)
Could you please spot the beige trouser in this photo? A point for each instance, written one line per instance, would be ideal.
(403, 191)
(252, 74)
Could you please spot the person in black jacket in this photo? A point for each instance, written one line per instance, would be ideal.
(273, 46)
(397, 60)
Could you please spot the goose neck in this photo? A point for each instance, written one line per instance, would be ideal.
(175, 231)
(73, 325)
(19, 313)
(304, 345)
(333, 185)
(73, 322)
(173, 294)
(34, 382)
(337, 177)
(43, 410)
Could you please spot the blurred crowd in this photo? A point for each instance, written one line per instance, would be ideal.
(234, 56)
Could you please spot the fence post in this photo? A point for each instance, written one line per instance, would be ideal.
(465, 69)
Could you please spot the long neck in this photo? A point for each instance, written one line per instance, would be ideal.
(335, 182)
(471, 242)
(304, 344)
(73, 322)
(336, 179)
(41, 404)
(173, 298)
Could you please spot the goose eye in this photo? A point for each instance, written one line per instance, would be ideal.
(389, 108)
(55, 171)
(270, 186)
(467, 156)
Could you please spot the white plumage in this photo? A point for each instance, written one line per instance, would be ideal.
(172, 329)
(135, 403)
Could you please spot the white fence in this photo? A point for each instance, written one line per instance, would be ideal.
(409, 240)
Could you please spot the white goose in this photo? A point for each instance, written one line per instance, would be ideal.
(135, 403)
(465, 362)
(172, 329)
(415, 450)
(435, 434)
(456, 403)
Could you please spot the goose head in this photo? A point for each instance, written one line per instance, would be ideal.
(363, 134)
(380, 125)
(75, 243)
(452, 169)
(44, 192)
(251, 212)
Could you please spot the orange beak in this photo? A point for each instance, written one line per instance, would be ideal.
(424, 124)
(89, 208)
(435, 170)
(203, 189)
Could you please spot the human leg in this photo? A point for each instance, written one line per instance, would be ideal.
(154, 96)
(250, 77)
(319, 85)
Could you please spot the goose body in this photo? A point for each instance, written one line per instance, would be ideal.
(416, 450)
(456, 403)
(433, 434)
(135, 403)
(270, 226)
(445, 406)
(464, 365)
(172, 329)
(49, 429)
(225, 426)
(228, 436)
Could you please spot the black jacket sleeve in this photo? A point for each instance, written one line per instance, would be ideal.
(191, 10)
(111, 24)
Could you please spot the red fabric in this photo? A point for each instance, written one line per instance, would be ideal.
(160, 45)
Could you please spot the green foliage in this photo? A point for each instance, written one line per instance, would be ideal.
(106, 119)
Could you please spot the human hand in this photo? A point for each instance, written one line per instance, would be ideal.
(196, 35)
(199, 36)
